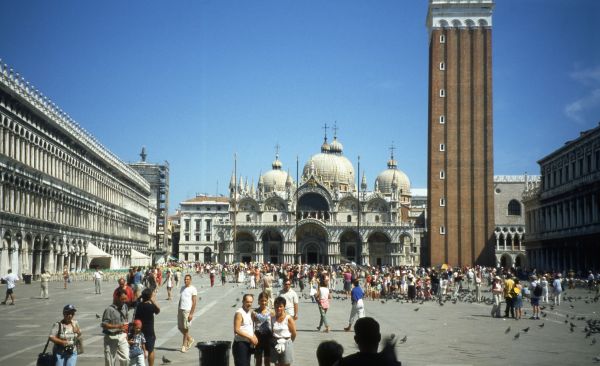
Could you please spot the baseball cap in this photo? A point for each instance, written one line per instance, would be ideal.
(69, 308)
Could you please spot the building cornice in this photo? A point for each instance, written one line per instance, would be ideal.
(17, 86)
(459, 14)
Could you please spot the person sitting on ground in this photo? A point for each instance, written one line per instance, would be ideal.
(329, 352)
(367, 337)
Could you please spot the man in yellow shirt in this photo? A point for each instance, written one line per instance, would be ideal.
(508, 296)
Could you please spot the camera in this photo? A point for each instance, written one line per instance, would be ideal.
(69, 349)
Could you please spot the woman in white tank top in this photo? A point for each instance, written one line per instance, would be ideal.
(284, 333)
(323, 296)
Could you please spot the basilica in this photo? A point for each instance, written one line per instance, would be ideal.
(326, 217)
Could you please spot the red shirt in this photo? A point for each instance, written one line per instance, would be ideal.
(130, 294)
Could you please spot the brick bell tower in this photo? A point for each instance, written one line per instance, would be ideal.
(460, 165)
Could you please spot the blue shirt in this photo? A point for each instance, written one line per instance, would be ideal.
(357, 294)
(137, 278)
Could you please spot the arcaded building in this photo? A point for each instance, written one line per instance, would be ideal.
(460, 166)
(326, 217)
(562, 211)
(65, 199)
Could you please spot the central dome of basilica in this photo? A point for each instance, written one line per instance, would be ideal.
(330, 166)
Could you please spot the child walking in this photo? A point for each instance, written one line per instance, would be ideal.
(137, 345)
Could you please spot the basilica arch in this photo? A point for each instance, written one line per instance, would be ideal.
(312, 243)
(380, 248)
(272, 242)
(244, 247)
(349, 245)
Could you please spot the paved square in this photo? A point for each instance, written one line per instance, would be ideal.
(453, 334)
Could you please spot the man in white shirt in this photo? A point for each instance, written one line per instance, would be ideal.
(291, 299)
(10, 279)
(187, 305)
(44, 282)
(98, 281)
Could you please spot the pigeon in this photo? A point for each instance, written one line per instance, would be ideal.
(507, 330)
(566, 321)
(526, 330)
(237, 299)
(234, 305)
(165, 360)
(517, 335)
(403, 340)
(416, 309)
(98, 316)
(541, 325)
(544, 315)
(597, 358)
(593, 341)
(383, 302)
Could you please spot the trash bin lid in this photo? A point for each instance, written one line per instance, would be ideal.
(213, 344)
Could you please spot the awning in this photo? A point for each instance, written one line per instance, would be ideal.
(139, 259)
(97, 258)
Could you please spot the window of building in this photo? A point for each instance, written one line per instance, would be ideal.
(207, 237)
(442, 93)
(186, 225)
(187, 237)
(442, 119)
(197, 237)
(442, 66)
(514, 208)
(442, 202)
(588, 159)
(442, 230)
(208, 224)
(207, 208)
(218, 208)
(566, 173)
(442, 174)
(376, 218)
(349, 218)
(274, 218)
(597, 159)
(442, 38)
(197, 224)
(248, 218)
(580, 167)
(442, 147)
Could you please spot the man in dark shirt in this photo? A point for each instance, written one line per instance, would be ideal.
(145, 312)
(367, 337)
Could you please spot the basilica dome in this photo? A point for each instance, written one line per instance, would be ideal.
(275, 179)
(392, 178)
(331, 167)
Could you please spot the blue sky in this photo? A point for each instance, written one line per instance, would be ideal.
(197, 81)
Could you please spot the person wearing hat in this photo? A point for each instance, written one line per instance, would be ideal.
(65, 335)
(137, 344)
(497, 294)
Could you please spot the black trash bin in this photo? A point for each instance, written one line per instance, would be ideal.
(27, 279)
(214, 353)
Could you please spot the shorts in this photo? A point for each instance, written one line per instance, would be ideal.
(264, 346)
(182, 320)
(286, 357)
(347, 285)
(535, 301)
(150, 340)
(9, 291)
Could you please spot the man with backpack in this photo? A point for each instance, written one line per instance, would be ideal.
(536, 292)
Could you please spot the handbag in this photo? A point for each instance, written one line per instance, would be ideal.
(45, 358)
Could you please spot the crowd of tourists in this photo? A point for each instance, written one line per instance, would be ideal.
(266, 330)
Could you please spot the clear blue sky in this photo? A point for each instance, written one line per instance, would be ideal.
(197, 81)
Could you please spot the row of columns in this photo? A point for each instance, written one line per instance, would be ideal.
(562, 259)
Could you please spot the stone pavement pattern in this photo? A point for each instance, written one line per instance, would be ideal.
(453, 334)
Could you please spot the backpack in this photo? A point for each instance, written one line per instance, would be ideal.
(537, 291)
(515, 291)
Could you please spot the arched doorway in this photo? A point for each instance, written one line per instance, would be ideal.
(4, 257)
(506, 261)
(244, 247)
(207, 255)
(349, 242)
(379, 249)
(272, 246)
(312, 240)
(313, 205)
(520, 261)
